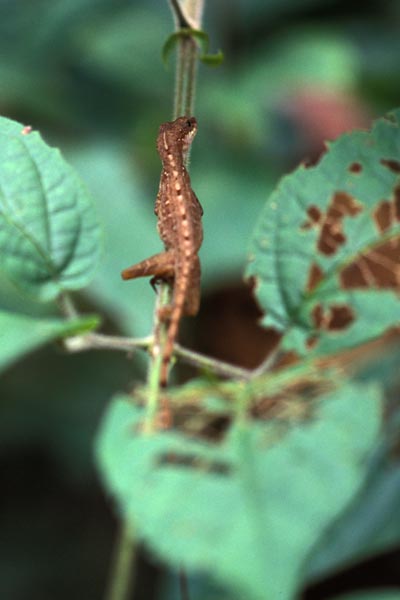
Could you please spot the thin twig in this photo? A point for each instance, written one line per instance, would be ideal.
(122, 571)
(267, 364)
(99, 341)
(67, 306)
(218, 367)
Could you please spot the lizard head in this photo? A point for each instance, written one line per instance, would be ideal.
(177, 134)
(188, 129)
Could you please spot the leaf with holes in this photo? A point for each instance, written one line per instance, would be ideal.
(325, 256)
(245, 511)
(49, 236)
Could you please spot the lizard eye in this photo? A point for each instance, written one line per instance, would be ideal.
(189, 123)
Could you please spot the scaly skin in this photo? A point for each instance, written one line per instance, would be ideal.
(179, 225)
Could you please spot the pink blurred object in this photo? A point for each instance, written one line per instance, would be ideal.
(321, 115)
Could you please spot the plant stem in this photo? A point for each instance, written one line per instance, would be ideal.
(185, 84)
(268, 363)
(218, 367)
(183, 104)
(66, 306)
(187, 14)
(99, 341)
(185, 80)
(153, 374)
(122, 573)
(180, 68)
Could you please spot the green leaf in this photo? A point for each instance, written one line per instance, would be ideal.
(371, 525)
(184, 32)
(325, 253)
(20, 334)
(199, 35)
(212, 60)
(49, 236)
(247, 511)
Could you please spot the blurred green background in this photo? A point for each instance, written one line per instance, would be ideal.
(89, 75)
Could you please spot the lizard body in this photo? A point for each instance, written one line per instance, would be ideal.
(179, 225)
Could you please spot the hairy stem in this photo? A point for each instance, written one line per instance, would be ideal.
(185, 80)
(186, 15)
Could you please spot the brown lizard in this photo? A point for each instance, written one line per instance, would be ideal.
(179, 226)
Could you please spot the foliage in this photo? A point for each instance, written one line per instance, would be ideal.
(49, 236)
(201, 37)
(283, 496)
(283, 267)
(372, 523)
(325, 253)
(261, 485)
(247, 511)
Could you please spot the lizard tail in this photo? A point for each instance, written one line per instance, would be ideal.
(169, 344)
(173, 327)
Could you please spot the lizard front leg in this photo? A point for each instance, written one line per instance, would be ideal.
(161, 266)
